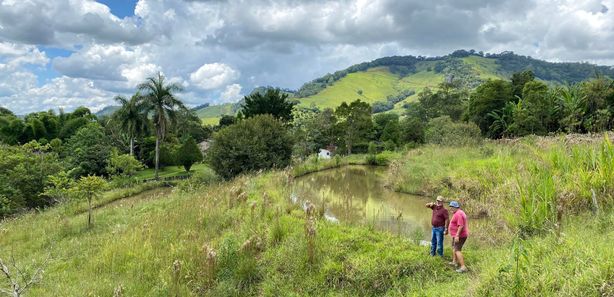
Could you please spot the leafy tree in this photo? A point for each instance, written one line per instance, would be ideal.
(354, 122)
(227, 120)
(381, 120)
(189, 125)
(71, 126)
(131, 118)
(11, 129)
(160, 101)
(189, 153)
(449, 100)
(23, 172)
(259, 142)
(88, 151)
(89, 187)
(412, 130)
(123, 165)
(392, 133)
(444, 131)
(519, 79)
(58, 186)
(488, 97)
(272, 101)
(312, 129)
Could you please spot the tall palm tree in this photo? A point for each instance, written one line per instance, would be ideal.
(131, 117)
(160, 102)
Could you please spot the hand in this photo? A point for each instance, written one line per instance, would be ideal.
(445, 232)
(456, 239)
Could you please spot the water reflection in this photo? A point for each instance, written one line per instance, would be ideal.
(356, 195)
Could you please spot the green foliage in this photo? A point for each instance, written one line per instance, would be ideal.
(490, 96)
(160, 103)
(58, 186)
(123, 165)
(227, 120)
(88, 187)
(312, 129)
(189, 153)
(272, 101)
(354, 123)
(88, 151)
(412, 130)
(444, 131)
(260, 142)
(23, 173)
(519, 79)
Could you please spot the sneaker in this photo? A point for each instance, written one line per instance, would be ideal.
(461, 270)
(452, 264)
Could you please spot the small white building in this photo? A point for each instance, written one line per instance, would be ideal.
(324, 154)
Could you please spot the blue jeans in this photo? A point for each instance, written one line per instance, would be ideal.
(437, 241)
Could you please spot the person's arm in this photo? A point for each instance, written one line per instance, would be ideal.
(430, 205)
(446, 225)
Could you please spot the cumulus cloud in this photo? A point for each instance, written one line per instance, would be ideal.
(217, 49)
(66, 22)
(231, 94)
(61, 92)
(214, 75)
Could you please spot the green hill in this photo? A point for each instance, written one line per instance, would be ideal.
(387, 79)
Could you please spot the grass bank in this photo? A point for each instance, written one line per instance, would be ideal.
(314, 164)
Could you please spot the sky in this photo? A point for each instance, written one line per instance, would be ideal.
(70, 53)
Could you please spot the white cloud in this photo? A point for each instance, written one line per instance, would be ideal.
(275, 42)
(231, 94)
(61, 92)
(213, 76)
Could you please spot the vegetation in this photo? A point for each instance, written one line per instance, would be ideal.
(259, 142)
(271, 101)
(161, 103)
(231, 226)
(189, 153)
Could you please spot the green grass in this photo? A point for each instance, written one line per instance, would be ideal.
(211, 115)
(376, 84)
(170, 171)
(244, 237)
(485, 68)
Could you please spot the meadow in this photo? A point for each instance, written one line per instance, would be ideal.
(536, 232)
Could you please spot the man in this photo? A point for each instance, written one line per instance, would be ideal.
(459, 232)
(439, 221)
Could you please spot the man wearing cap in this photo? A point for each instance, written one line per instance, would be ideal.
(439, 221)
(459, 232)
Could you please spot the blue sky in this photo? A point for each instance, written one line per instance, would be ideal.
(70, 53)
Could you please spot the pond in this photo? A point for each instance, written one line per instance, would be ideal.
(356, 195)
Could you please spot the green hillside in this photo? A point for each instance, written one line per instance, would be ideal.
(384, 79)
(211, 115)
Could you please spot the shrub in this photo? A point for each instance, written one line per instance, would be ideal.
(188, 154)
(444, 131)
(260, 142)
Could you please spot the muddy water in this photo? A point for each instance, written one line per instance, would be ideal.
(356, 195)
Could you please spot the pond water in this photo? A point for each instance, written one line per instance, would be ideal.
(356, 195)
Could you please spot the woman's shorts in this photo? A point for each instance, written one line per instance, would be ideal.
(458, 245)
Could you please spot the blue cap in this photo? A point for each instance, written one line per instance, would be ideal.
(455, 204)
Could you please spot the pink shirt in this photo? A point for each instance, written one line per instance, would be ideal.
(458, 219)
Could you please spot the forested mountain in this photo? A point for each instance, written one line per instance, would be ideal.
(389, 83)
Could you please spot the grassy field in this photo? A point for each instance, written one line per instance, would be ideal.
(485, 68)
(211, 115)
(375, 84)
(170, 171)
(245, 238)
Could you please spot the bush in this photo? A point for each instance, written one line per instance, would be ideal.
(444, 131)
(23, 173)
(188, 154)
(260, 142)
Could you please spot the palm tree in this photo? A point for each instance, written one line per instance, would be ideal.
(131, 117)
(160, 102)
